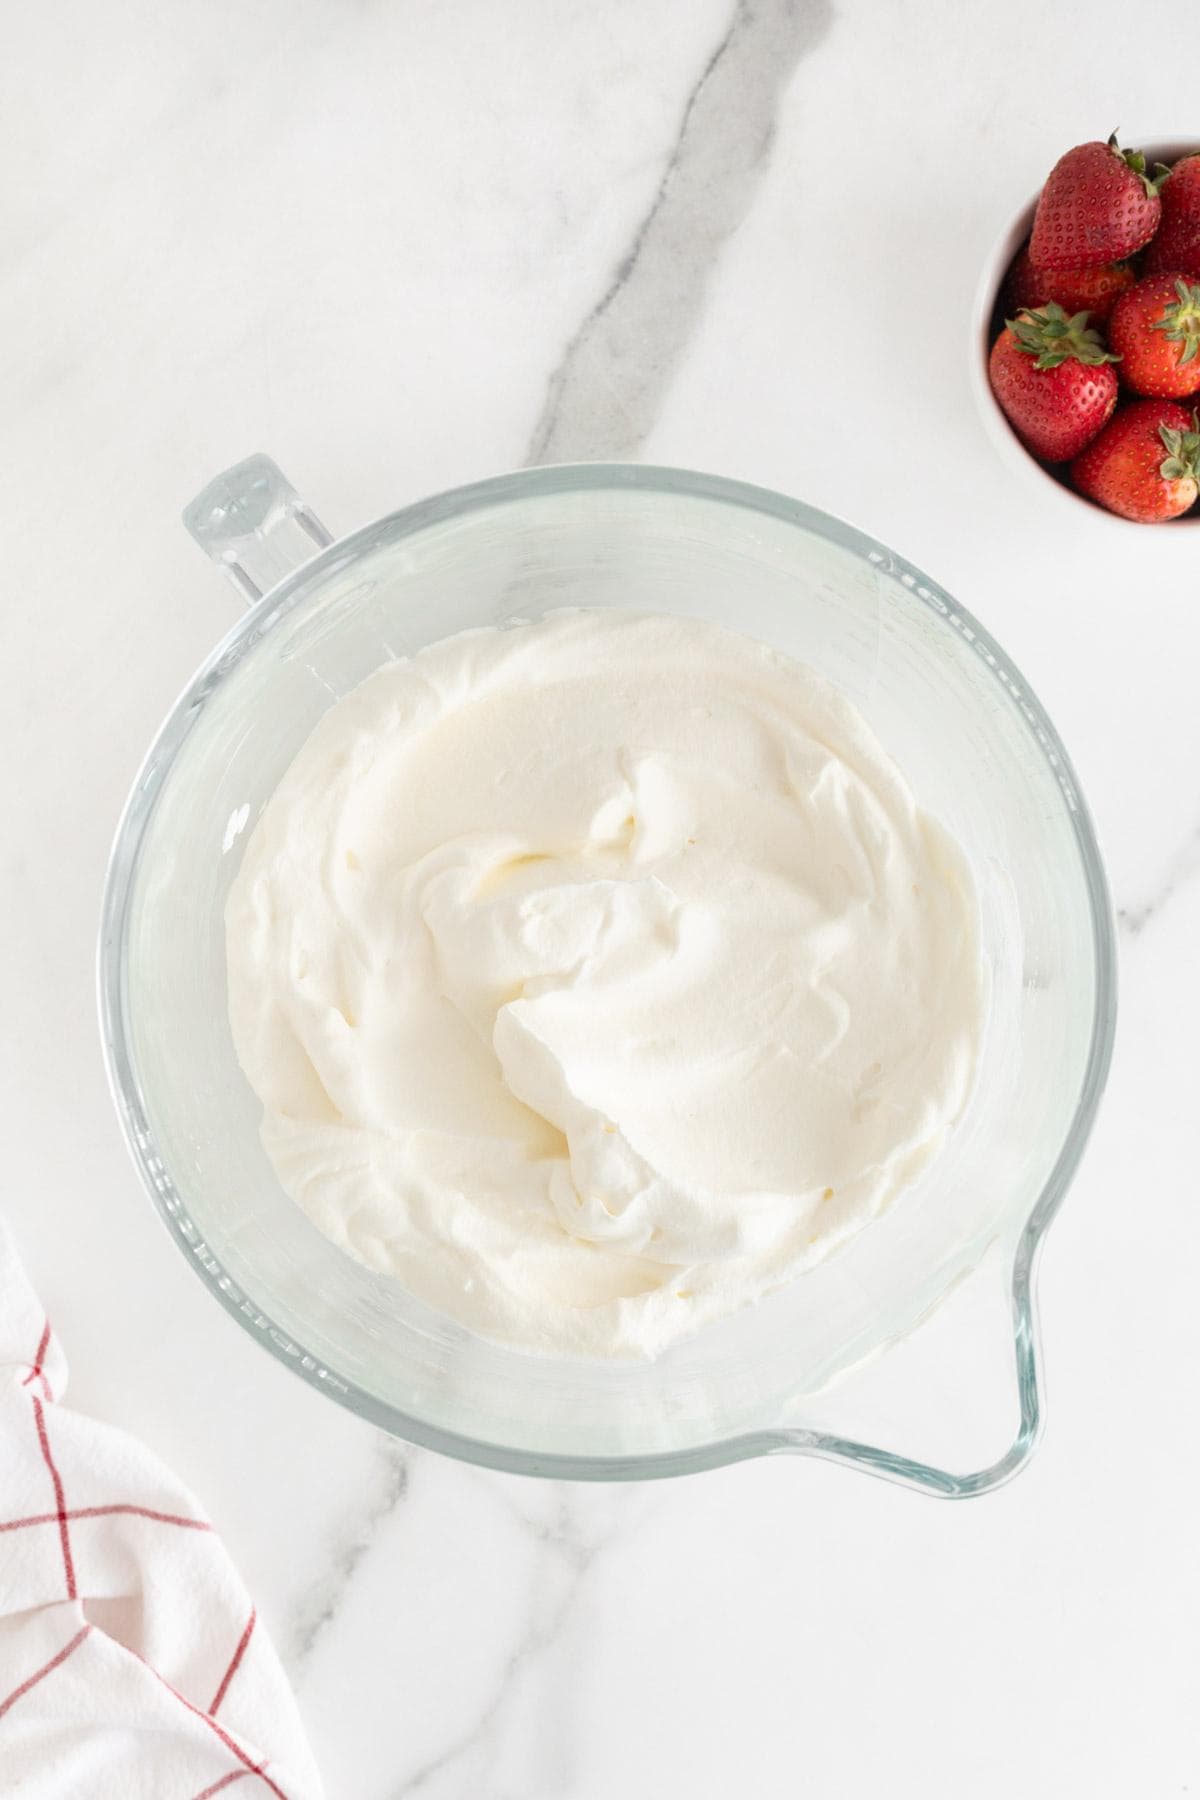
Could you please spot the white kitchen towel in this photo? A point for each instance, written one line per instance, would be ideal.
(131, 1663)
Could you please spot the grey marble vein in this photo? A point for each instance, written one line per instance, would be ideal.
(1182, 869)
(604, 395)
(318, 1604)
(569, 1556)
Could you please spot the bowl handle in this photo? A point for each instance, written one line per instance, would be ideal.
(254, 526)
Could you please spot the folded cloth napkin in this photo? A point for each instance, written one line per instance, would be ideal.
(131, 1663)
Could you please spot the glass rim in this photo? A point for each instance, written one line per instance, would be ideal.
(124, 859)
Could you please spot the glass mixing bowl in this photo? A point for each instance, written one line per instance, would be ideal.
(831, 1364)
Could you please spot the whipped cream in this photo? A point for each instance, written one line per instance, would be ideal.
(598, 975)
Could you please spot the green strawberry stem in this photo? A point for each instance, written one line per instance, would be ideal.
(1181, 322)
(1050, 336)
(1134, 160)
(1183, 452)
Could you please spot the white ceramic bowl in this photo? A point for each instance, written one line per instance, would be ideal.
(983, 333)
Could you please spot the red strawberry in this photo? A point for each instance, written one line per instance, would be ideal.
(1146, 464)
(1094, 291)
(1177, 245)
(1155, 329)
(1053, 379)
(1098, 206)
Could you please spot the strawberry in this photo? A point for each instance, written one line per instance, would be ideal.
(1176, 248)
(1098, 206)
(1145, 465)
(1053, 380)
(1155, 329)
(1094, 291)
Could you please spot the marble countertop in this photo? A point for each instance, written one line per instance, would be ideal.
(401, 245)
